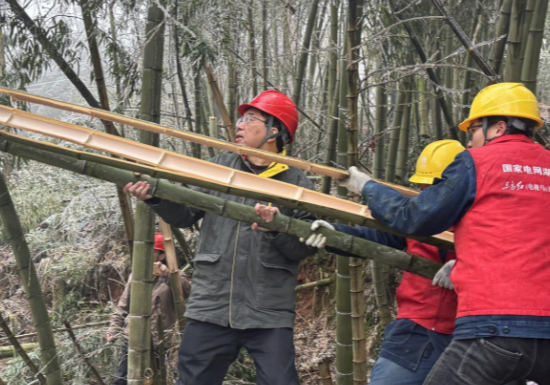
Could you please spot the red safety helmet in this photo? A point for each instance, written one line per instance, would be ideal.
(277, 104)
(159, 242)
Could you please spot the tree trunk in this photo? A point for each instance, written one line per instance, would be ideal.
(29, 279)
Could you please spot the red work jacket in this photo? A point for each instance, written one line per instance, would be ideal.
(503, 241)
(432, 307)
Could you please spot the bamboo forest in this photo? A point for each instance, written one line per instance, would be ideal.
(218, 191)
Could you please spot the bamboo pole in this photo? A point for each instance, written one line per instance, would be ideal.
(325, 377)
(252, 47)
(29, 279)
(315, 284)
(440, 99)
(20, 351)
(459, 32)
(531, 62)
(166, 190)
(503, 27)
(403, 148)
(196, 138)
(90, 325)
(175, 280)
(345, 210)
(161, 350)
(141, 288)
(221, 106)
(72, 336)
(90, 27)
(187, 253)
(514, 59)
(356, 265)
(10, 351)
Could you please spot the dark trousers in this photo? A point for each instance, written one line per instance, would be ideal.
(492, 361)
(122, 371)
(207, 350)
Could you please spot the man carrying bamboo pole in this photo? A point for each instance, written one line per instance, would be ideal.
(426, 313)
(497, 196)
(244, 279)
(162, 301)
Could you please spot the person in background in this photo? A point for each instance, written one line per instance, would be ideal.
(161, 300)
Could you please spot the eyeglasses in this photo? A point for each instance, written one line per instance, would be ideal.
(472, 129)
(248, 118)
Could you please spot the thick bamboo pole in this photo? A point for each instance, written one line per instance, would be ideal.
(27, 273)
(328, 206)
(175, 280)
(356, 265)
(196, 138)
(503, 26)
(166, 190)
(141, 287)
(20, 351)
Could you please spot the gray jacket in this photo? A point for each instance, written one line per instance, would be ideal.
(243, 278)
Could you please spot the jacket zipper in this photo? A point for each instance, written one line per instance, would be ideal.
(233, 270)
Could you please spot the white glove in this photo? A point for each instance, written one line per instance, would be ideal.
(318, 240)
(443, 276)
(356, 180)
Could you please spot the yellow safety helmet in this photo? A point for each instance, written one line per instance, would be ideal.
(434, 159)
(504, 99)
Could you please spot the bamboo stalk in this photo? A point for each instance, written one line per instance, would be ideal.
(89, 26)
(90, 325)
(459, 32)
(29, 279)
(141, 287)
(10, 351)
(503, 27)
(82, 354)
(187, 253)
(196, 138)
(451, 127)
(534, 44)
(319, 283)
(166, 190)
(325, 377)
(251, 47)
(442, 240)
(175, 280)
(221, 106)
(22, 353)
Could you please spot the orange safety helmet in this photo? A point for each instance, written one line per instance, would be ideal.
(277, 104)
(159, 242)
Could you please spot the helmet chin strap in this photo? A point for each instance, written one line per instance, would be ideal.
(485, 128)
(267, 137)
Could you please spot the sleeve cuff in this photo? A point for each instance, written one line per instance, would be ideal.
(154, 201)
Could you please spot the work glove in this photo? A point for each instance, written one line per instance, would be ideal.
(443, 276)
(318, 240)
(356, 180)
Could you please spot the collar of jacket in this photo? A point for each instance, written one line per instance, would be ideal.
(510, 137)
(273, 169)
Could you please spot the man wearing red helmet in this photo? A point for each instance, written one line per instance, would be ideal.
(162, 294)
(244, 278)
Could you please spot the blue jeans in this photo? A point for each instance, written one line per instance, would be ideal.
(387, 372)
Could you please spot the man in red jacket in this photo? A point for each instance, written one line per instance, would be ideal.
(497, 197)
(426, 313)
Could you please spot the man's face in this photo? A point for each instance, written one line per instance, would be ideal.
(252, 133)
(475, 131)
(159, 256)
